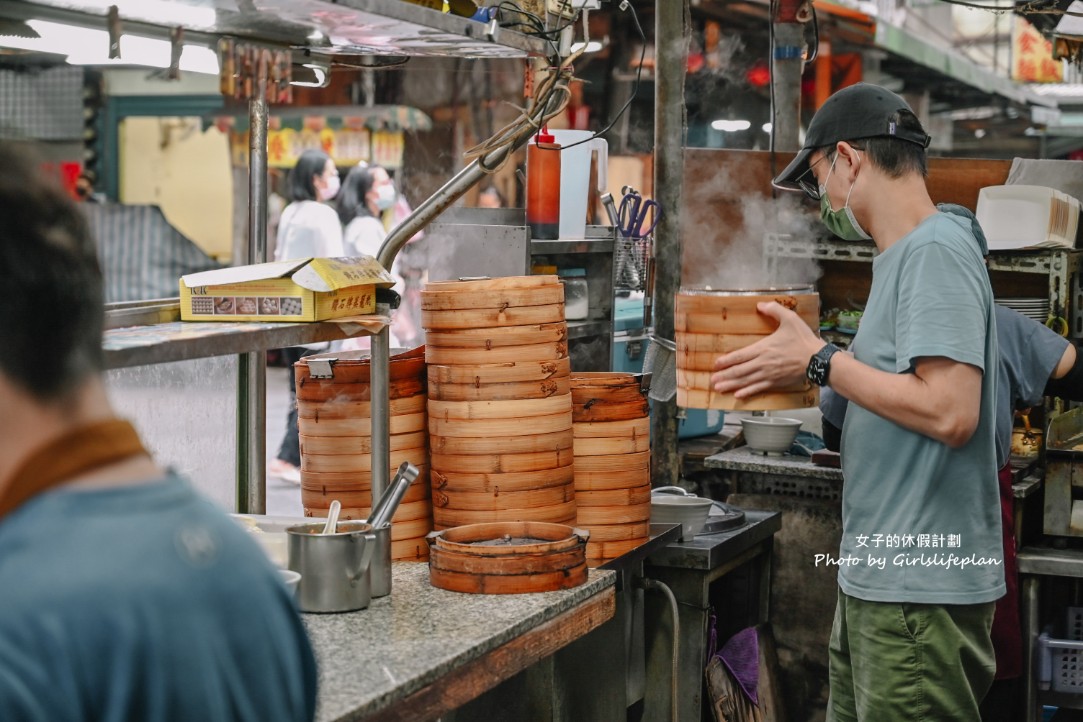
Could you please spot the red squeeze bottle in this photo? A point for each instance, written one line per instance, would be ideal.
(543, 186)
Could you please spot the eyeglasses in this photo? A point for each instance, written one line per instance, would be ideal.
(811, 187)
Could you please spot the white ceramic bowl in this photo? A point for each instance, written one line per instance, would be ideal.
(770, 433)
(689, 511)
(291, 579)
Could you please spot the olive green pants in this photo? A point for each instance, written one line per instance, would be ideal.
(903, 662)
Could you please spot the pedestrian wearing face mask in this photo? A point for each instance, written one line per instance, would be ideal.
(911, 638)
(366, 194)
(308, 228)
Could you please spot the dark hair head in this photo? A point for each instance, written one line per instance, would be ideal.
(52, 306)
(351, 199)
(300, 186)
(893, 156)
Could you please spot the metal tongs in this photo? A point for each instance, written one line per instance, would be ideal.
(388, 504)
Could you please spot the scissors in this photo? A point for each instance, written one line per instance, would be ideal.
(633, 213)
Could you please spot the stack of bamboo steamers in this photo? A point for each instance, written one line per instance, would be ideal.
(612, 461)
(335, 423)
(500, 403)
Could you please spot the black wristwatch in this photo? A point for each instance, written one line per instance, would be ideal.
(819, 366)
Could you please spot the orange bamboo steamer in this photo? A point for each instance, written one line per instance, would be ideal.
(498, 354)
(489, 284)
(488, 338)
(697, 360)
(502, 463)
(482, 501)
(416, 519)
(613, 462)
(556, 514)
(610, 446)
(612, 429)
(357, 480)
(640, 530)
(767, 401)
(359, 444)
(357, 462)
(451, 481)
(610, 411)
(702, 380)
(608, 386)
(698, 309)
(400, 424)
(353, 367)
(507, 584)
(589, 516)
(524, 409)
(465, 563)
(611, 549)
(487, 318)
(499, 392)
(398, 389)
(410, 550)
(320, 497)
(548, 424)
(715, 344)
(608, 480)
(341, 408)
(486, 298)
(500, 373)
(614, 497)
(500, 444)
(530, 538)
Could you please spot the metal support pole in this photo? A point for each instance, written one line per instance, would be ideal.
(671, 41)
(252, 366)
(381, 411)
(787, 62)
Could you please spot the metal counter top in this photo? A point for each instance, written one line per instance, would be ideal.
(709, 551)
(744, 459)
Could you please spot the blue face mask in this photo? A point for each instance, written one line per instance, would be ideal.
(841, 222)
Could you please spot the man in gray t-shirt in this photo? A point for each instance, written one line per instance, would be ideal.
(920, 561)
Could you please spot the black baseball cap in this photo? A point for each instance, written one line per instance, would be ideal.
(858, 111)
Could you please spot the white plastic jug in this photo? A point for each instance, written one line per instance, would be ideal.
(575, 178)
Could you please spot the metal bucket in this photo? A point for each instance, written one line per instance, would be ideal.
(335, 568)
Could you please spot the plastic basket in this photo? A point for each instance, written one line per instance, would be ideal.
(1061, 660)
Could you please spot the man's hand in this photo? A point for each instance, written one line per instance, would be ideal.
(777, 360)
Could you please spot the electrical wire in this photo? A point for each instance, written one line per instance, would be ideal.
(658, 586)
(815, 36)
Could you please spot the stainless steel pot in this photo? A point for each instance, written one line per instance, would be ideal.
(335, 568)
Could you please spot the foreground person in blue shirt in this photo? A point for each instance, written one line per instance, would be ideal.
(920, 564)
(124, 595)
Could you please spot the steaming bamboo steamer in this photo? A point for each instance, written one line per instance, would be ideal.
(499, 373)
(541, 295)
(633, 461)
(359, 463)
(527, 444)
(499, 392)
(492, 501)
(359, 444)
(548, 424)
(630, 428)
(589, 516)
(358, 426)
(639, 530)
(361, 391)
(611, 480)
(550, 351)
(716, 344)
(610, 446)
(449, 481)
(555, 514)
(489, 338)
(509, 409)
(631, 496)
(489, 317)
(502, 463)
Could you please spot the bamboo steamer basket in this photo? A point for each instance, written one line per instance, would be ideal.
(611, 445)
(640, 530)
(488, 318)
(633, 461)
(555, 513)
(551, 351)
(320, 496)
(732, 319)
(509, 409)
(607, 386)
(611, 480)
(361, 391)
(508, 558)
(410, 550)
(589, 516)
(352, 480)
(451, 481)
(602, 550)
(554, 441)
(355, 367)
(492, 298)
(497, 501)
(360, 444)
(617, 411)
(630, 428)
(358, 463)
(499, 392)
(501, 463)
(632, 496)
(358, 426)
(499, 373)
(340, 408)
(489, 284)
(474, 428)
(488, 338)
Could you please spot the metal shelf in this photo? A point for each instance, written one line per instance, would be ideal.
(586, 245)
(352, 27)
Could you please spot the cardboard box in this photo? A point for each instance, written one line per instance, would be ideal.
(303, 289)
